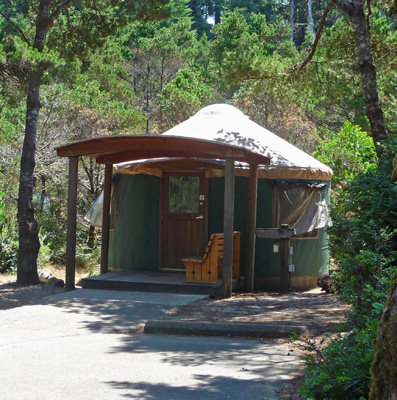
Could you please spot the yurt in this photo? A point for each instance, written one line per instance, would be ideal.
(169, 194)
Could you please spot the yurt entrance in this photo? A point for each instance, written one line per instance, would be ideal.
(184, 218)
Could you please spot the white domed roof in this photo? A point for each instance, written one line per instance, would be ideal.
(226, 124)
(220, 110)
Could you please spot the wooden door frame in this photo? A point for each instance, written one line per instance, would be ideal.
(162, 205)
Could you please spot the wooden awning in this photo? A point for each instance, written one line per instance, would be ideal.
(117, 149)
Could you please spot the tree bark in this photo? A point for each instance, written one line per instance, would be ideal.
(310, 23)
(384, 371)
(291, 18)
(29, 243)
(218, 10)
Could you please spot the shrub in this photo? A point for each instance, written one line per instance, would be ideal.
(8, 240)
(363, 240)
(340, 368)
(364, 246)
(8, 247)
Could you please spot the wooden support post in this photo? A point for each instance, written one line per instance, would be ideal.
(228, 224)
(107, 188)
(71, 223)
(284, 262)
(283, 235)
(251, 227)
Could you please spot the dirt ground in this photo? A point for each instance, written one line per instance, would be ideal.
(12, 295)
(320, 312)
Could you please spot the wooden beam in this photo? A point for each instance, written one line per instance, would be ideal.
(228, 224)
(71, 224)
(275, 233)
(115, 149)
(251, 226)
(132, 155)
(107, 189)
(117, 144)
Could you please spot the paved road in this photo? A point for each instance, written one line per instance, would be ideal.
(85, 345)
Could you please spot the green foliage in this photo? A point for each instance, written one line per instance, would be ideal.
(348, 153)
(363, 243)
(52, 234)
(364, 214)
(268, 8)
(331, 87)
(243, 50)
(114, 115)
(339, 368)
(364, 247)
(12, 113)
(183, 97)
(8, 238)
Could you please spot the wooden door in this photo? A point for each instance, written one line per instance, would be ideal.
(184, 218)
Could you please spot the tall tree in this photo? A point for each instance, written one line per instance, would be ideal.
(82, 25)
(354, 9)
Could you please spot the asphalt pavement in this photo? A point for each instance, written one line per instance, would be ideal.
(87, 344)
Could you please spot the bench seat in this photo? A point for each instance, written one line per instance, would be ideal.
(208, 268)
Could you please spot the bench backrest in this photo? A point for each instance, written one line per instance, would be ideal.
(214, 250)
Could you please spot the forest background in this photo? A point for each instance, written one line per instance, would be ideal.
(104, 74)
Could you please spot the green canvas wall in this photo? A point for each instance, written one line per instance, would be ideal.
(135, 240)
(310, 256)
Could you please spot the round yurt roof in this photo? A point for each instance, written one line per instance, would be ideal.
(227, 125)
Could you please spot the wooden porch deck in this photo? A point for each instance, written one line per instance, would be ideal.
(157, 282)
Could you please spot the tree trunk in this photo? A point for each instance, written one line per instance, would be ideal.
(384, 371)
(29, 244)
(291, 18)
(91, 237)
(310, 23)
(218, 10)
(355, 11)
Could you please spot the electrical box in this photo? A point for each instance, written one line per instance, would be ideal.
(291, 268)
(275, 247)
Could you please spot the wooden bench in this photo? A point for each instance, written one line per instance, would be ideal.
(209, 268)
